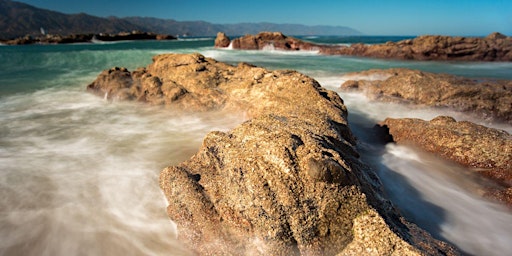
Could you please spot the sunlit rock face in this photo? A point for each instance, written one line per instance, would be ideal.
(495, 47)
(288, 181)
(483, 98)
(488, 151)
(265, 40)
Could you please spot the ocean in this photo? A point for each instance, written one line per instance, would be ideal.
(79, 175)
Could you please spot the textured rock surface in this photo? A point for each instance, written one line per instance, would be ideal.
(486, 150)
(288, 181)
(495, 47)
(266, 40)
(222, 40)
(488, 99)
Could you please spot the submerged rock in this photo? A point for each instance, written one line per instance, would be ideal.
(286, 182)
(485, 98)
(495, 47)
(487, 151)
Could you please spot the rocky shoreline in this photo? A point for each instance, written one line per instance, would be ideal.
(288, 181)
(486, 151)
(86, 38)
(494, 47)
(488, 99)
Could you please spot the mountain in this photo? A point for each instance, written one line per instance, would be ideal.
(19, 19)
(201, 28)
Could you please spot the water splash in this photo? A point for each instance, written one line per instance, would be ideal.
(457, 211)
(80, 175)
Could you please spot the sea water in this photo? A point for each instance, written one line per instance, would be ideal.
(79, 175)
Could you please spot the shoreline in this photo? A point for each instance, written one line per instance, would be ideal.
(494, 47)
(86, 38)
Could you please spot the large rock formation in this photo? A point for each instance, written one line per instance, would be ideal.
(485, 98)
(487, 151)
(286, 182)
(495, 47)
(265, 40)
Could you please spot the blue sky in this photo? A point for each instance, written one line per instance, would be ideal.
(372, 17)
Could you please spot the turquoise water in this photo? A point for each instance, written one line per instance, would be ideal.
(79, 175)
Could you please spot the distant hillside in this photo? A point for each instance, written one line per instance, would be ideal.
(201, 28)
(19, 19)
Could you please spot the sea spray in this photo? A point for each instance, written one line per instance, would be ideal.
(80, 174)
(457, 212)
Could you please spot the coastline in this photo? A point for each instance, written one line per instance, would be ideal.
(86, 38)
(77, 61)
(494, 47)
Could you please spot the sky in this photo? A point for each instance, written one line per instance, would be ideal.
(371, 17)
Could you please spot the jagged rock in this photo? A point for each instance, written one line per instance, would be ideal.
(270, 40)
(485, 98)
(222, 41)
(488, 151)
(495, 47)
(288, 181)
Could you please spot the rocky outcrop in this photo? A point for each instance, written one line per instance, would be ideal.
(487, 151)
(222, 40)
(286, 182)
(495, 47)
(265, 40)
(484, 98)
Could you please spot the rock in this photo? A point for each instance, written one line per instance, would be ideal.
(288, 181)
(484, 98)
(495, 47)
(488, 151)
(222, 41)
(268, 40)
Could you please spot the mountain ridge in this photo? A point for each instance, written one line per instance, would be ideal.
(19, 19)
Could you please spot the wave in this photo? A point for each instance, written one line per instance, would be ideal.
(89, 178)
(456, 211)
(195, 39)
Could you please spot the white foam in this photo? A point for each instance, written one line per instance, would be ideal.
(474, 224)
(372, 77)
(80, 175)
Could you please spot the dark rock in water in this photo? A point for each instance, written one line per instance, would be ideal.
(134, 35)
(286, 182)
(495, 47)
(488, 151)
(486, 98)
